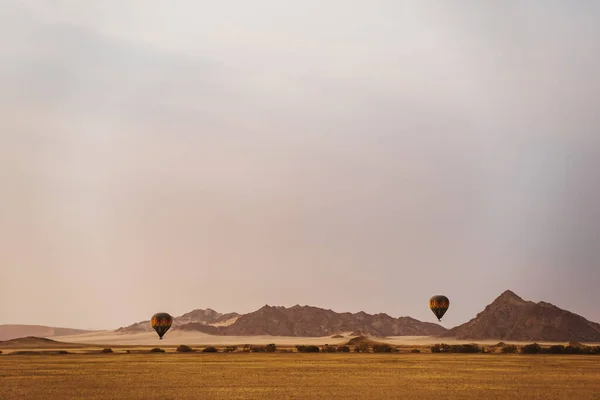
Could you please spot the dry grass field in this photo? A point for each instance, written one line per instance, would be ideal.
(298, 376)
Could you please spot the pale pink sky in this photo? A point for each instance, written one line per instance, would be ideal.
(353, 155)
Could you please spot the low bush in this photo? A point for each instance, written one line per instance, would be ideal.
(258, 349)
(230, 349)
(184, 349)
(510, 349)
(106, 351)
(457, 348)
(157, 350)
(307, 349)
(362, 348)
(440, 348)
(270, 348)
(533, 348)
(209, 350)
(415, 351)
(383, 348)
(329, 349)
(557, 349)
(343, 349)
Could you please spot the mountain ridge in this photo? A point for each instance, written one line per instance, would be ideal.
(510, 317)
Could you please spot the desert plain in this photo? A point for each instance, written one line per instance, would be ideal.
(30, 370)
(190, 376)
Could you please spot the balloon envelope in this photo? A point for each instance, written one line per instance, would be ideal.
(161, 322)
(439, 305)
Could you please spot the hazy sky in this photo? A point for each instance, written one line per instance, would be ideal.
(352, 155)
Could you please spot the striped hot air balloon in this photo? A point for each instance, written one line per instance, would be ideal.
(439, 305)
(161, 322)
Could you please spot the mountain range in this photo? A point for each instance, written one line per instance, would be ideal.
(509, 317)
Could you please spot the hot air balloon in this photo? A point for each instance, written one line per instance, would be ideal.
(439, 305)
(161, 322)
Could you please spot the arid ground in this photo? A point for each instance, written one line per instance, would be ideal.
(298, 376)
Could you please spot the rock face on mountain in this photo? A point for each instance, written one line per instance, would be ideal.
(510, 317)
(308, 321)
(197, 317)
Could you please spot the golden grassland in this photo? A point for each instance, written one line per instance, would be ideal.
(298, 376)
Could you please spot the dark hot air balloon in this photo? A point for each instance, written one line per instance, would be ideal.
(439, 305)
(161, 322)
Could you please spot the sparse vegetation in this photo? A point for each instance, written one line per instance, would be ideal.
(106, 351)
(157, 350)
(533, 348)
(209, 350)
(270, 348)
(307, 349)
(383, 348)
(343, 349)
(362, 348)
(184, 349)
(557, 349)
(329, 349)
(415, 351)
(457, 348)
(230, 349)
(509, 349)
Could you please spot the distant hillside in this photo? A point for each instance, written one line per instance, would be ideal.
(8, 332)
(306, 321)
(202, 317)
(510, 317)
(32, 342)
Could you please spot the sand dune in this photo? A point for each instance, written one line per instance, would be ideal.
(190, 338)
(175, 338)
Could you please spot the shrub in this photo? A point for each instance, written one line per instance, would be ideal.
(106, 351)
(184, 349)
(63, 352)
(440, 348)
(382, 348)
(209, 350)
(329, 349)
(465, 348)
(128, 351)
(500, 344)
(343, 349)
(157, 350)
(510, 349)
(270, 348)
(533, 348)
(0, 351)
(457, 348)
(307, 349)
(415, 351)
(362, 348)
(558, 349)
(258, 349)
(230, 349)
(247, 348)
